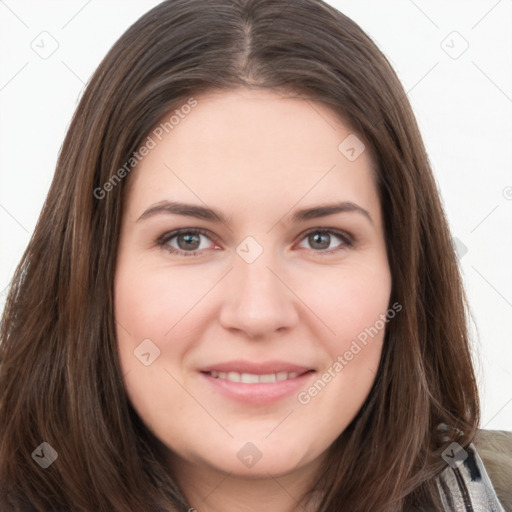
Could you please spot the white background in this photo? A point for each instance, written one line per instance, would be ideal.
(463, 106)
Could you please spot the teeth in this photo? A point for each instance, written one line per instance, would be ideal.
(252, 378)
(234, 377)
(249, 378)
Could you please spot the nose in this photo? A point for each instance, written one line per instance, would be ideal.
(258, 301)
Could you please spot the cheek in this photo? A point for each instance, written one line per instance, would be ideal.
(149, 301)
(354, 305)
(151, 304)
(350, 303)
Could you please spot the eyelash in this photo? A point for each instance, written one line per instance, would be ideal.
(347, 240)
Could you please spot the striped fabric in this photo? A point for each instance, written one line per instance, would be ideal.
(465, 485)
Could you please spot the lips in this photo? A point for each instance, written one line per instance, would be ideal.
(256, 383)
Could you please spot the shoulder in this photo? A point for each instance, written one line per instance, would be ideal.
(495, 449)
(478, 478)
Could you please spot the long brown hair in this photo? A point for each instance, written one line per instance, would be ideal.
(60, 379)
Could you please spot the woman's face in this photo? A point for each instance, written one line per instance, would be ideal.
(250, 341)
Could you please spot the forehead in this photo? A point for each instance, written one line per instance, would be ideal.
(253, 148)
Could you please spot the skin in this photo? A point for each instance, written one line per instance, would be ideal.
(257, 156)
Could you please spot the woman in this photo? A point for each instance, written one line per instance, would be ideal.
(241, 293)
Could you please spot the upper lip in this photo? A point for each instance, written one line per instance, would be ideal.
(262, 368)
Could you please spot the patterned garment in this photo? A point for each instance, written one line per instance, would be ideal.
(465, 485)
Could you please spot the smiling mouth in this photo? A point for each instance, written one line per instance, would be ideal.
(253, 378)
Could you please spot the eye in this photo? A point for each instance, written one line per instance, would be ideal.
(320, 240)
(184, 242)
(191, 242)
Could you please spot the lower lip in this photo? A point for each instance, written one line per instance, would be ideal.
(258, 393)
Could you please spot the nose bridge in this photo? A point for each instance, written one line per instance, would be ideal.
(258, 302)
(254, 260)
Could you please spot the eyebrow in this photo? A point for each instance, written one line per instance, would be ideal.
(329, 209)
(188, 210)
(205, 213)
